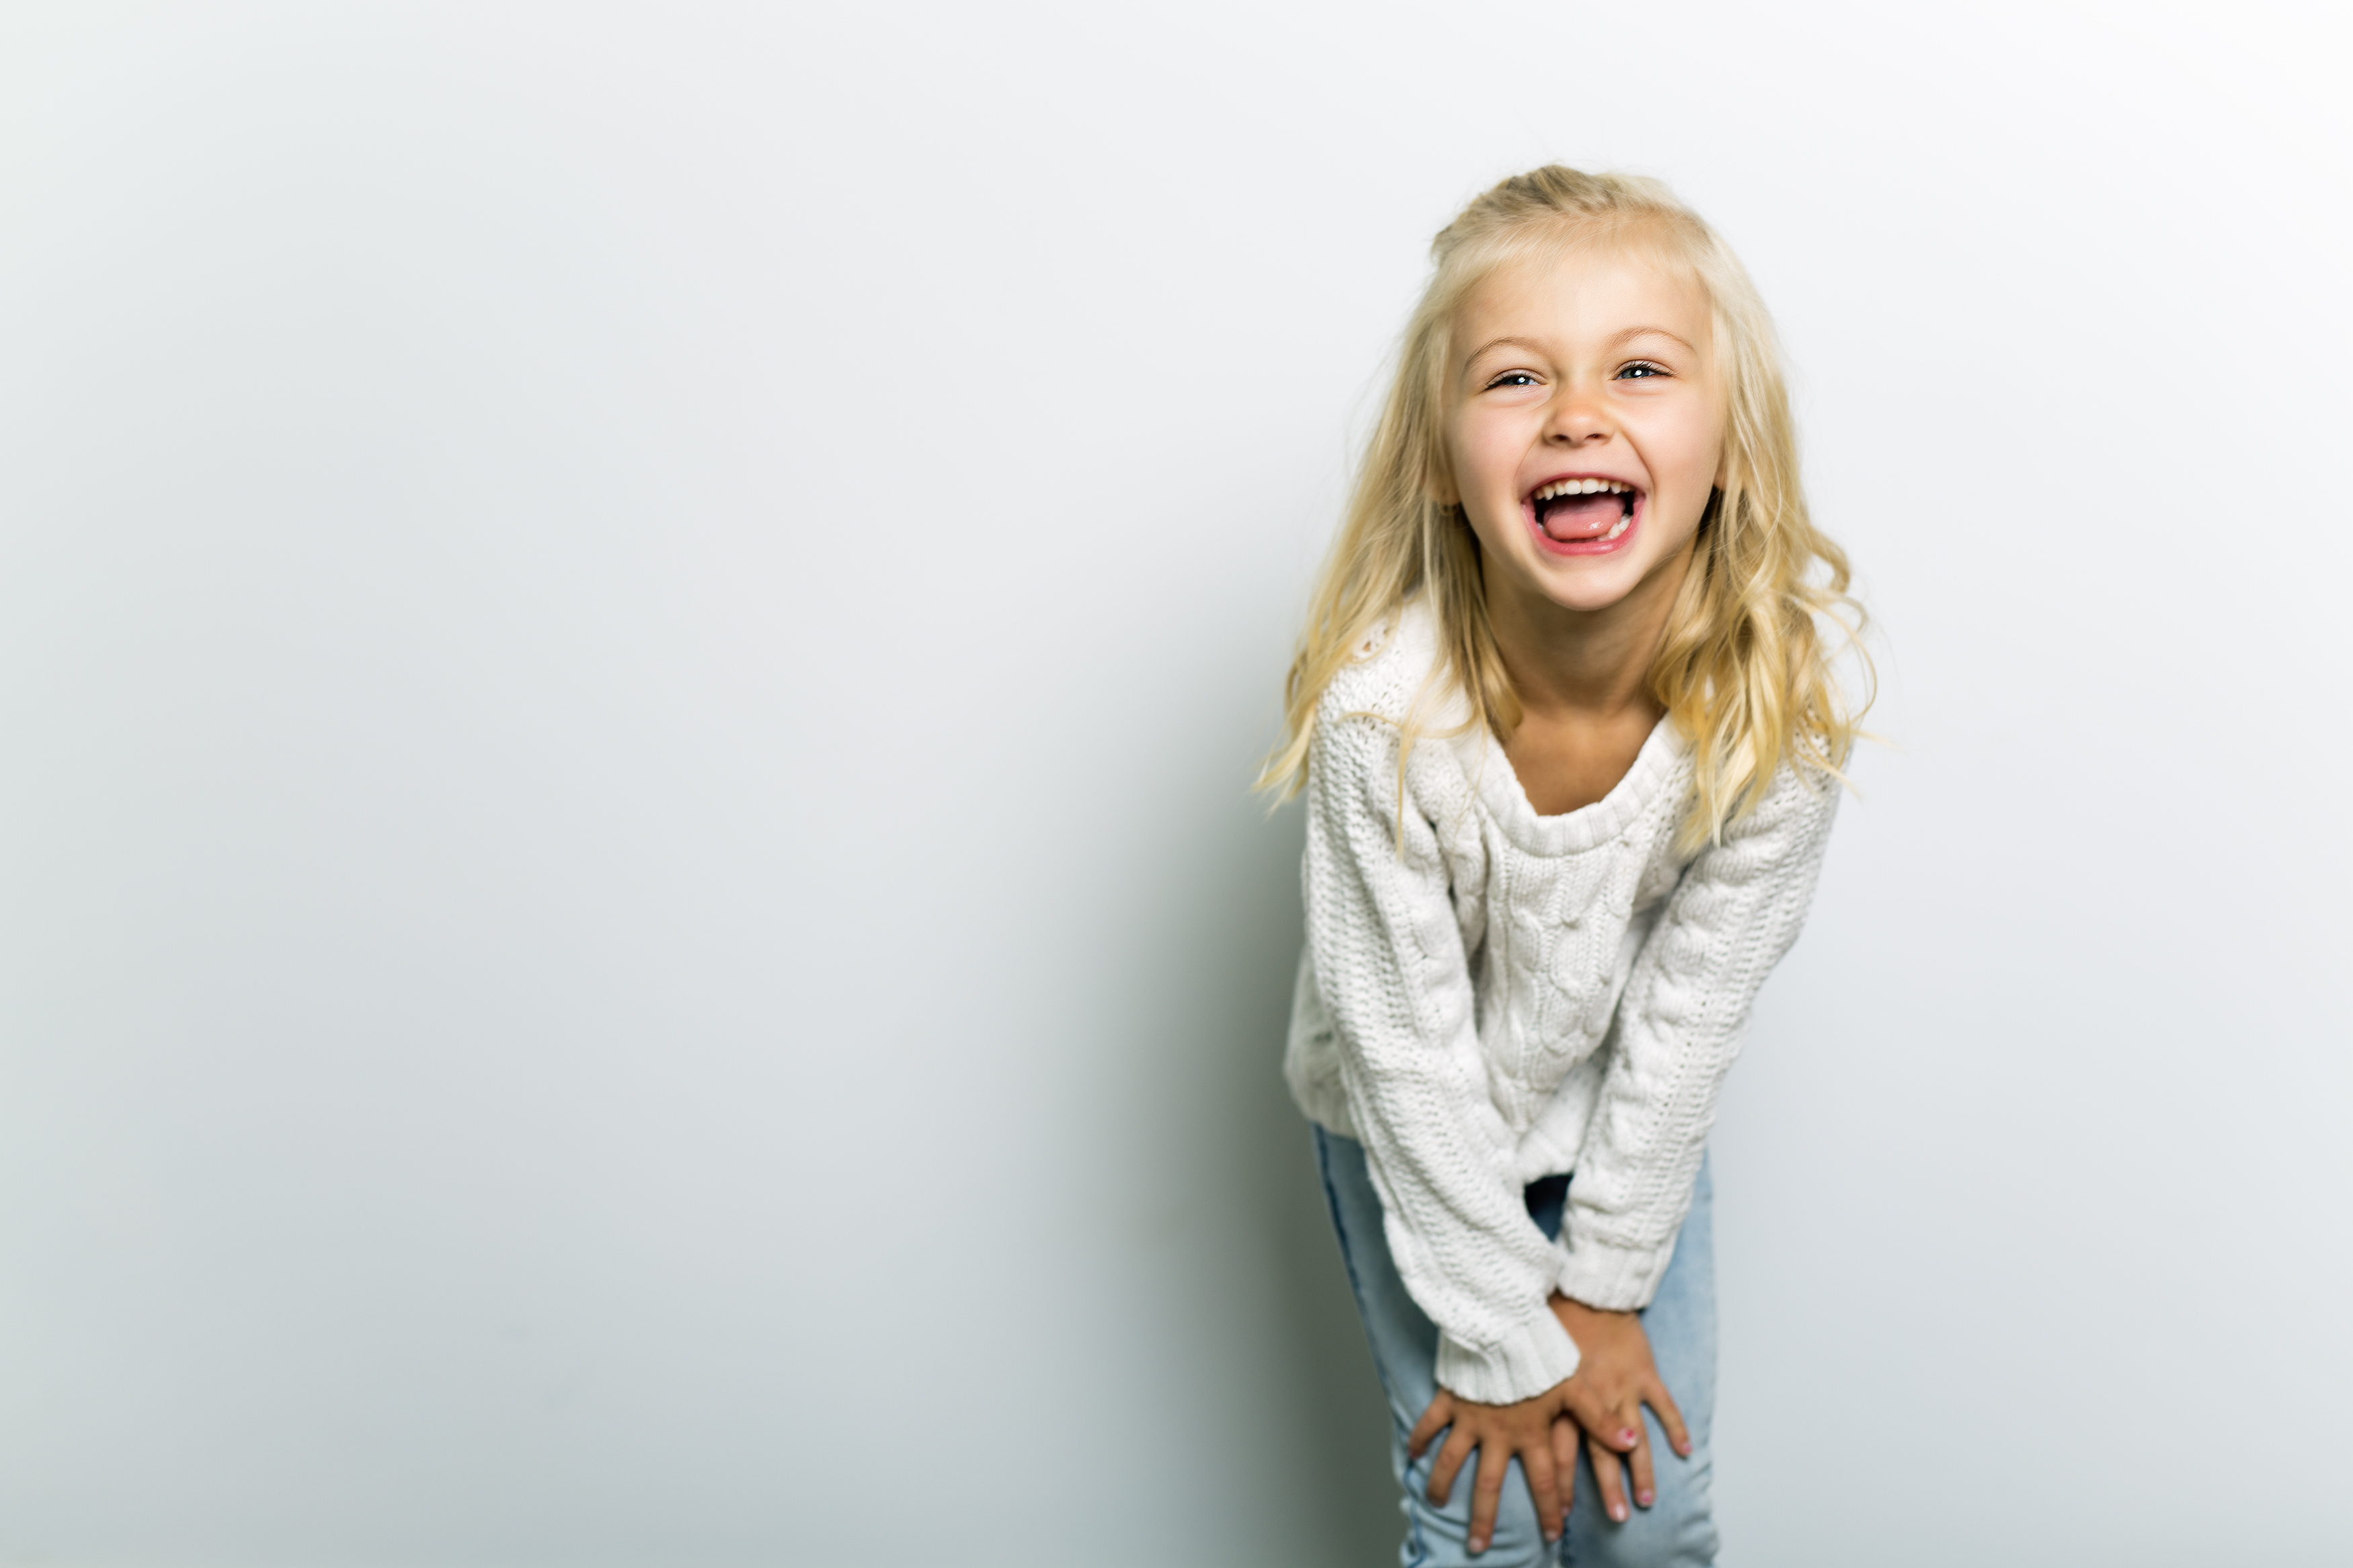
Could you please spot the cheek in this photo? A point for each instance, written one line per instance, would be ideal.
(1486, 456)
(1694, 449)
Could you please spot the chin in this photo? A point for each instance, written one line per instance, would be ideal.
(1593, 584)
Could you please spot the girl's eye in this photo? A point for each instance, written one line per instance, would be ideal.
(1512, 378)
(1640, 369)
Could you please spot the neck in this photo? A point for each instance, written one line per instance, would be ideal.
(1585, 664)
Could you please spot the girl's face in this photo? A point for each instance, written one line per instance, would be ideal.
(1584, 424)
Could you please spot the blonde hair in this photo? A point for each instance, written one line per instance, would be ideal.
(1742, 668)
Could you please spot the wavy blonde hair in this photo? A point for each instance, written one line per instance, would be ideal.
(1743, 669)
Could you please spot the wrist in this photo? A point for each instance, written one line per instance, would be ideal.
(1566, 1306)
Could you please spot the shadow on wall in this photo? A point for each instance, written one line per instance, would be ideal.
(1272, 1321)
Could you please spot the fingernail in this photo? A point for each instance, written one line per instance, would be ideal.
(1618, 1512)
(1645, 1498)
(1626, 1436)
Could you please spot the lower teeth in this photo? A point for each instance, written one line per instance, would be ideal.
(1623, 524)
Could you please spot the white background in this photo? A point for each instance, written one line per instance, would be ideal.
(630, 643)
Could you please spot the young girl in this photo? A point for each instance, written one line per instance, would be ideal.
(1570, 746)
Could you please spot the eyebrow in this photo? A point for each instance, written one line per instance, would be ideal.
(1628, 335)
(1488, 347)
(1676, 338)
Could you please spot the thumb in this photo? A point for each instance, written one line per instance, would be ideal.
(1601, 1424)
(1434, 1420)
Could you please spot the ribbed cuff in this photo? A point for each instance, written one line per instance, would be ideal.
(1529, 1359)
(1614, 1278)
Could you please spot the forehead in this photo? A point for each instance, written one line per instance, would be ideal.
(1578, 294)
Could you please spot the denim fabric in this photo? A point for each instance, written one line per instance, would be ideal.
(1676, 1532)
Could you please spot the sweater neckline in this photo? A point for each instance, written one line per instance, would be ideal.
(1596, 822)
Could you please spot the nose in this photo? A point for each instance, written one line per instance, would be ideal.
(1579, 418)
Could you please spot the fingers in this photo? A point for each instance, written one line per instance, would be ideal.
(1434, 1420)
(1472, 1442)
(1607, 1471)
(1448, 1463)
(1565, 1439)
(1543, 1488)
(1487, 1494)
(1646, 1489)
(1662, 1404)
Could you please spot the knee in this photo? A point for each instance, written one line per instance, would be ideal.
(1441, 1537)
(1678, 1531)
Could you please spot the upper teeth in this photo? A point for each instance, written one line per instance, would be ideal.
(1580, 488)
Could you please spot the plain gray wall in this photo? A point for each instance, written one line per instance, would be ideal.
(630, 643)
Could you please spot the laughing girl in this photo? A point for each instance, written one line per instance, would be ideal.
(1570, 744)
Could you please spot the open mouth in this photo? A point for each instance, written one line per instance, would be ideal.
(1587, 512)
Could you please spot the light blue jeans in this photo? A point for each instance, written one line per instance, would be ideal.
(1676, 1532)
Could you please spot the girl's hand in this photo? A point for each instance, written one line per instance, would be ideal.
(1538, 1430)
(1615, 1378)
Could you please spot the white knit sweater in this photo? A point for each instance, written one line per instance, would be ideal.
(1515, 995)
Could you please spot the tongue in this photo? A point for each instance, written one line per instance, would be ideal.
(1572, 518)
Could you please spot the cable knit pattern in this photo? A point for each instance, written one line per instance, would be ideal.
(1489, 996)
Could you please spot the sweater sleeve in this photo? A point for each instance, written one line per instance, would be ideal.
(1733, 915)
(1394, 975)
